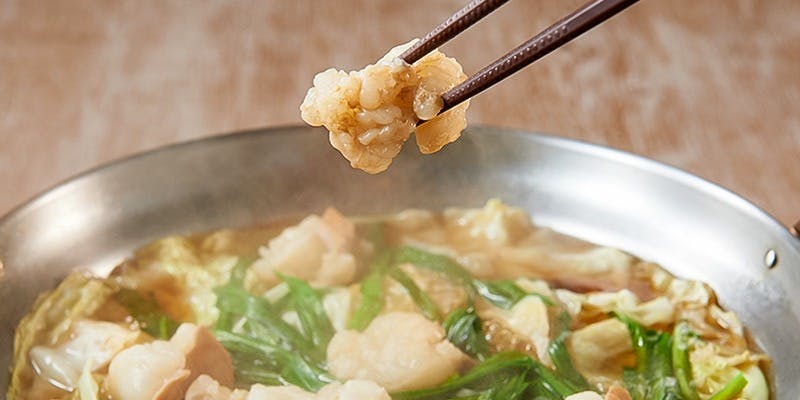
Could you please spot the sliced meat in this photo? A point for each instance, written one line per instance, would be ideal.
(164, 370)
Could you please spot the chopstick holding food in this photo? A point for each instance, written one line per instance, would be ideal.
(370, 113)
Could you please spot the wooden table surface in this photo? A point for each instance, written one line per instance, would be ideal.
(710, 86)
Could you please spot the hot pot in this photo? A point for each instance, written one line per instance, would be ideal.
(692, 227)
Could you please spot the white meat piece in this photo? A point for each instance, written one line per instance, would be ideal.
(147, 371)
(587, 395)
(164, 370)
(261, 392)
(616, 392)
(318, 249)
(355, 389)
(370, 113)
(207, 388)
(527, 318)
(94, 342)
(203, 353)
(398, 351)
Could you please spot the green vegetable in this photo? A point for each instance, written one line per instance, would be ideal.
(504, 293)
(239, 270)
(263, 346)
(146, 312)
(308, 305)
(559, 355)
(508, 389)
(550, 385)
(253, 368)
(261, 321)
(731, 389)
(231, 295)
(435, 262)
(254, 373)
(506, 375)
(291, 366)
(464, 330)
(653, 378)
(681, 363)
(256, 316)
(371, 302)
(423, 301)
(482, 377)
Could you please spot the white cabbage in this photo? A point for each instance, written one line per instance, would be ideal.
(712, 369)
(87, 386)
(596, 348)
(91, 342)
(528, 318)
(496, 224)
(337, 306)
(656, 311)
(78, 296)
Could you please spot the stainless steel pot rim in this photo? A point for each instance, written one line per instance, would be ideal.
(640, 162)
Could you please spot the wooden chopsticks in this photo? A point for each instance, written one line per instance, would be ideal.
(573, 25)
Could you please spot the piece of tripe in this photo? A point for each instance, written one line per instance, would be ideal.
(370, 113)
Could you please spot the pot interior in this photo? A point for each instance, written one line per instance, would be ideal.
(691, 227)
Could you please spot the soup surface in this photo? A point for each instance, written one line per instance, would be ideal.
(467, 303)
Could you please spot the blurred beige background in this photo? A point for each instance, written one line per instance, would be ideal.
(710, 86)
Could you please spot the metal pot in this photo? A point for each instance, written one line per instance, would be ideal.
(692, 227)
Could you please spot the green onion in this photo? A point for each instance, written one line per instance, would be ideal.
(563, 363)
(434, 262)
(423, 301)
(653, 376)
(251, 369)
(504, 293)
(231, 297)
(481, 377)
(550, 384)
(291, 366)
(464, 330)
(146, 312)
(371, 302)
(507, 389)
(731, 389)
(308, 305)
(680, 361)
